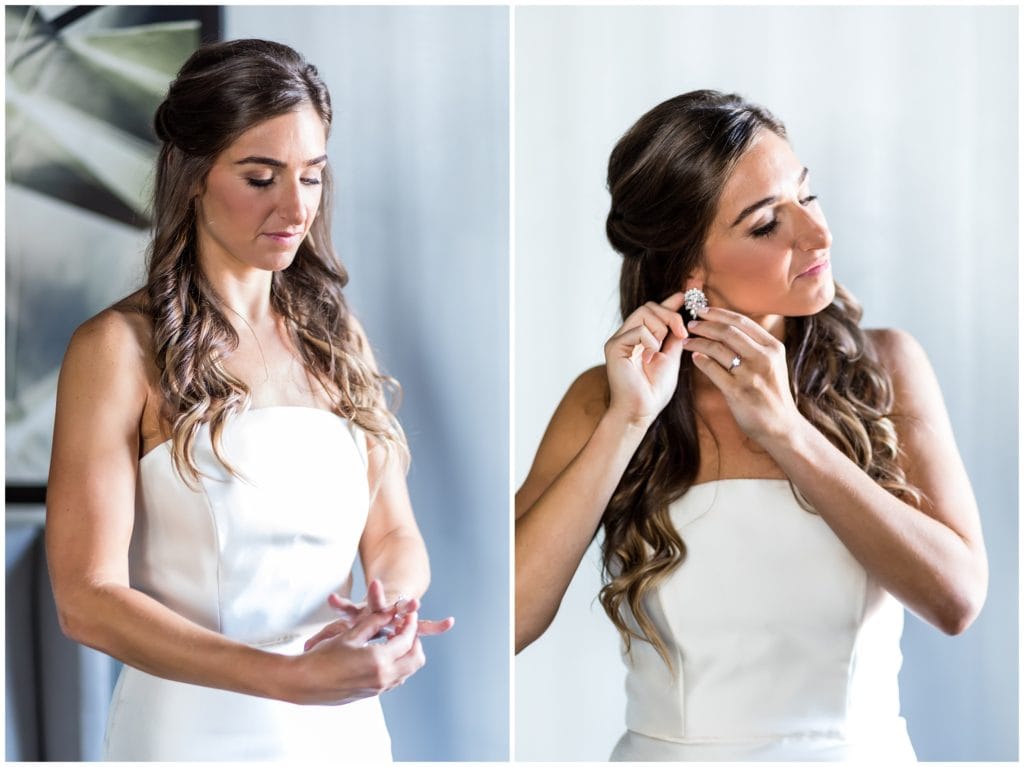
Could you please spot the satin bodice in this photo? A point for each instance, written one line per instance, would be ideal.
(254, 556)
(774, 629)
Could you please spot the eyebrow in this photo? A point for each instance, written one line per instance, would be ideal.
(257, 160)
(766, 201)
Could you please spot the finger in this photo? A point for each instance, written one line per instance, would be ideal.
(733, 336)
(433, 628)
(673, 319)
(404, 667)
(328, 631)
(716, 350)
(628, 340)
(674, 302)
(367, 626)
(751, 328)
(375, 596)
(402, 640)
(403, 607)
(412, 661)
(646, 317)
(719, 376)
(345, 605)
(667, 359)
(672, 350)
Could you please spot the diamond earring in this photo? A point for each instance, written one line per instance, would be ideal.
(694, 300)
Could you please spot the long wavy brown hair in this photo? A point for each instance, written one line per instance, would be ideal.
(223, 90)
(665, 177)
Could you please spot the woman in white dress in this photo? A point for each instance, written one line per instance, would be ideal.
(223, 448)
(772, 481)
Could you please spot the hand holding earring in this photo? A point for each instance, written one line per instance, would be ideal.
(642, 360)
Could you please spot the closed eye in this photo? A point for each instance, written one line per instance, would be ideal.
(262, 183)
(767, 229)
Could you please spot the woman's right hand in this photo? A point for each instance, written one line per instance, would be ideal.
(343, 668)
(642, 360)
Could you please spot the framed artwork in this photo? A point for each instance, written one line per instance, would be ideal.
(82, 84)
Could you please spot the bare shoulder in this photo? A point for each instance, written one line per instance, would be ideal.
(903, 357)
(915, 387)
(896, 349)
(114, 333)
(571, 427)
(111, 351)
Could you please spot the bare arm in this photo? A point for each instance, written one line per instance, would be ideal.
(558, 509)
(392, 549)
(584, 452)
(90, 513)
(932, 558)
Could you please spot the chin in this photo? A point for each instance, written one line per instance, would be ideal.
(820, 300)
(276, 262)
(811, 305)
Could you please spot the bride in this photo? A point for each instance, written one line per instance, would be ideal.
(773, 482)
(223, 449)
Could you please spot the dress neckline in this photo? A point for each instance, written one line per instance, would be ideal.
(249, 411)
(713, 482)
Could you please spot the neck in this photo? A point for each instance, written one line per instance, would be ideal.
(244, 290)
(774, 324)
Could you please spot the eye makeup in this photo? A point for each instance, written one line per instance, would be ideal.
(767, 229)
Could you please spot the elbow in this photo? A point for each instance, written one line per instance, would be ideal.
(530, 624)
(77, 617)
(72, 622)
(955, 621)
(960, 609)
(524, 638)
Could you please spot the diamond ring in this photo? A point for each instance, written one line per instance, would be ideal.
(735, 363)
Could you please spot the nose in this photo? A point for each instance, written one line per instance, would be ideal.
(812, 232)
(290, 205)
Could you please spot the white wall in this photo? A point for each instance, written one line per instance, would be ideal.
(907, 118)
(419, 150)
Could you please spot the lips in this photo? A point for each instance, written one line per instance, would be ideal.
(282, 237)
(816, 268)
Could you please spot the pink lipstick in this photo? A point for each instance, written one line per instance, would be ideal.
(818, 268)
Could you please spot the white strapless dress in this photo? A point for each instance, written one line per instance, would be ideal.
(253, 558)
(784, 648)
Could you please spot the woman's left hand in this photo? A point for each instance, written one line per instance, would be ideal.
(748, 365)
(377, 602)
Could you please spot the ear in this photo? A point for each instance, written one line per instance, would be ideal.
(695, 279)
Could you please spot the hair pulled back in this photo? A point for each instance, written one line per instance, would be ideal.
(665, 176)
(221, 91)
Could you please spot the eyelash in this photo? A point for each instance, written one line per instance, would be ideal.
(263, 183)
(767, 229)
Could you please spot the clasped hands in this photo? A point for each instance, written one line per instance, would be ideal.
(343, 662)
